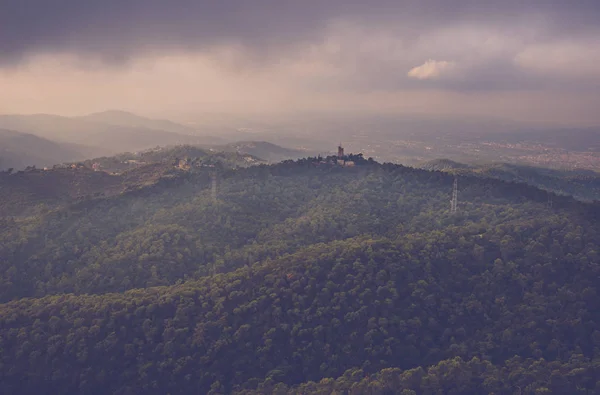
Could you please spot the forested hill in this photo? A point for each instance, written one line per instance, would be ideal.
(580, 183)
(271, 152)
(304, 277)
(189, 156)
(34, 189)
(69, 183)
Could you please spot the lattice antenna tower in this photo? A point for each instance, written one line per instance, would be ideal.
(213, 182)
(454, 201)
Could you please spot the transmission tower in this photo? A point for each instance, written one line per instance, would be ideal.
(454, 201)
(213, 179)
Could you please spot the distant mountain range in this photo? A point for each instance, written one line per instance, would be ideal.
(398, 140)
(19, 150)
(130, 120)
(104, 133)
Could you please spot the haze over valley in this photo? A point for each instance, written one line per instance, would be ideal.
(399, 139)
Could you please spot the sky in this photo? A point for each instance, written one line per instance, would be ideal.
(534, 61)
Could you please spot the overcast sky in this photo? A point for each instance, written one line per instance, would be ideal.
(525, 60)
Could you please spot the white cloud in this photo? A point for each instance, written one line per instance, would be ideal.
(431, 69)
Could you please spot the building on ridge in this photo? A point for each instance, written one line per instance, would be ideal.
(340, 151)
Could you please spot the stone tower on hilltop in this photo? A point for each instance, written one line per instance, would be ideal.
(340, 151)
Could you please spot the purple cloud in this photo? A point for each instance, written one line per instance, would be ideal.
(118, 29)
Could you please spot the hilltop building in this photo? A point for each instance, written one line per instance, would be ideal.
(341, 159)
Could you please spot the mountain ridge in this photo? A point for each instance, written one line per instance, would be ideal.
(106, 138)
(129, 119)
(20, 150)
(581, 183)
(263, 149)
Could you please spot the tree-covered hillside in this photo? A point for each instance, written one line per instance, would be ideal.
(304, 277)
(190, 154)
(262, 149)
(581, 183)
(33, 189)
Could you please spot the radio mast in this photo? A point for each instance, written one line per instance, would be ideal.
(213, 179)
(454, 201)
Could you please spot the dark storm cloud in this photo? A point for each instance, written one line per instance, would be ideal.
(118, 29)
